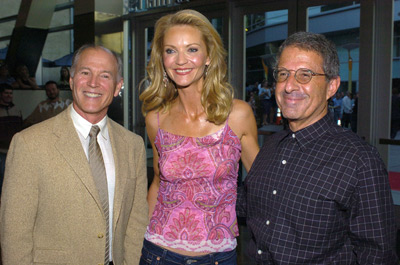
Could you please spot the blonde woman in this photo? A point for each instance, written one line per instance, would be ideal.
(198, 133)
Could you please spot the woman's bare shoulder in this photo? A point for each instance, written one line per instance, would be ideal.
(152, 123)
(240, 109)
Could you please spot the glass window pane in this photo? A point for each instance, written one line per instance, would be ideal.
(6, 28)
(345, 33)
(264, 34)
(61, 18)
(394, 149)
(58, 44)
(217, 23)
(395, 125)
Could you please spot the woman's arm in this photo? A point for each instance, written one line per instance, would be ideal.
(152, 128)
(21, 84)
(32, 83)
(243, 123)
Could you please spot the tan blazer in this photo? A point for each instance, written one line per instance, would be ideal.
(50, 208)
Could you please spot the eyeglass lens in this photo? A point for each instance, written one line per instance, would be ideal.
(301, 75)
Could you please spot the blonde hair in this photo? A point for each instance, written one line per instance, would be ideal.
(217, 93)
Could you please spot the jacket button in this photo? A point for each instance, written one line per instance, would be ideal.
(100, 235)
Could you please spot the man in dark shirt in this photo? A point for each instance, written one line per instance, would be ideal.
(10, 117)
(316, 193)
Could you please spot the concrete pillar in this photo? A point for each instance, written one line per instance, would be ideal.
(99, 22)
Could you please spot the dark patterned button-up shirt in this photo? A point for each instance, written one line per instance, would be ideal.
(320, 195)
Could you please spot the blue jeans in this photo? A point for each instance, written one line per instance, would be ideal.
(155, 255)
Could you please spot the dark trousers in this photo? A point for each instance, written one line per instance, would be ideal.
(155, 255)
(346, 119)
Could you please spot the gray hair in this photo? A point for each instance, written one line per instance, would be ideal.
(317, 43)
(78, 53)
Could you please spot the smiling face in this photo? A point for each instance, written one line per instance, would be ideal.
(185, 56)
(303, 104)
(94, 84)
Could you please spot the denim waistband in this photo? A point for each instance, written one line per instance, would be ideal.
(175, 258)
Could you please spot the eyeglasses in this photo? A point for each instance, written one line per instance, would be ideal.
(302, 75)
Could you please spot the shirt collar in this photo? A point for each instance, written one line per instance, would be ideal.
(83, 126)
(307, 135)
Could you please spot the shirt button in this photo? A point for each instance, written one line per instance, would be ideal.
(284, 162)
(100, 235)
(259, 252)
(274, 192)
(267, 222)
(293, 135)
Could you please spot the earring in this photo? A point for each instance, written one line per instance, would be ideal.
(165, 79)
(206, 70)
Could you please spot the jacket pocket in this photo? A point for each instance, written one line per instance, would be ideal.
(50, 256)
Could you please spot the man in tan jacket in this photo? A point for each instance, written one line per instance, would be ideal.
(51, 206)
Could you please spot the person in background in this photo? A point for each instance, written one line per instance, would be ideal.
(75, 185)
(395, 115)
(7, 107)
(265, 93)
(64, 78)
(10, 117)
(252, 103)
(337, 108)
(316, 193)
(23, 78)
(10, 124)
(354, 114)
(347, 107)
(273, 112)
(5, 76)
(249, 89)
(48, 108)
(198, 133)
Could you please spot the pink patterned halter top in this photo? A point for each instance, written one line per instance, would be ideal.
(195, 209)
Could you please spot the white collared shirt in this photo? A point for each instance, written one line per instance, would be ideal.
(83, 127)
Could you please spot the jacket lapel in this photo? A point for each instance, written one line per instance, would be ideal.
(121, 156)
(70, 147)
